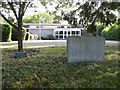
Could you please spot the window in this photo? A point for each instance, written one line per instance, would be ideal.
(56, 32)
(73, 33)
(61, 32)
(56, 36)
(61, 36)
(77, 32)
(65, 32)
(68, 32)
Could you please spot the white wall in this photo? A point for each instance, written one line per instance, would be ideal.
(42, 33)
(47, 32)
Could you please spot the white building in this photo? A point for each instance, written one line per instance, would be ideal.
(59, 31)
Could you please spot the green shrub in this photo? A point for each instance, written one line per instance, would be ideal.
(49, 37)
(6, 32)
(112, 32)
(15, 34)
(91, 28)
(24, 33)
(35, 36)
(31, 37)
(99, 30)
(27, 37)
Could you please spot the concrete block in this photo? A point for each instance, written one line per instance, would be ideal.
(85, 48)
(20, 54)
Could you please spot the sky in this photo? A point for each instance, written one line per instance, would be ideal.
(41, 8)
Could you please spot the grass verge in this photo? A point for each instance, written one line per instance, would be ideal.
(48, 68)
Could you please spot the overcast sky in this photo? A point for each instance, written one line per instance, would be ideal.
(41, 8)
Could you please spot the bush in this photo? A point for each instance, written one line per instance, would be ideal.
(15, 34)
(27, 36)
(49, 37)
(6, 32)
(99, 30)
(24, 33)
(31, 37)
(91, 28)
(35, 36)
(112, 32)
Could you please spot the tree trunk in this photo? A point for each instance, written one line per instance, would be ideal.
(20, 41)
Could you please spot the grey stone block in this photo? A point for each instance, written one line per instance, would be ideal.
(20, 54)
(85, 48)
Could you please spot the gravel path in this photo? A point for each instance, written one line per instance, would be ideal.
(47, 43)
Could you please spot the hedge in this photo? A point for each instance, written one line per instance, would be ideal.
(6, 32)
(99, 29)
(27, 36)
(15, 34)
(112, 32)
(49, 37)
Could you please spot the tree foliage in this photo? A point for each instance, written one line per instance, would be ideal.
(60, 8)
(14, 10)
(77, 13)
(112, 32)
(42, 17)
(91, 12)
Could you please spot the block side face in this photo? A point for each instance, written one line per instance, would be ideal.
(85, 49)
(20, 54)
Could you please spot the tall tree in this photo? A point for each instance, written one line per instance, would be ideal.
(42, 17)
(60, 8)
(17, 10)
(86, 11)
(91, 12)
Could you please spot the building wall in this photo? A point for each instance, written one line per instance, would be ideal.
(45, 33)
(43, 30)
(42, 33)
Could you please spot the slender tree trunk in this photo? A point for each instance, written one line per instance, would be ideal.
(20, 41)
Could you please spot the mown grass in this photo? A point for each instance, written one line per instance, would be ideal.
(48, 68)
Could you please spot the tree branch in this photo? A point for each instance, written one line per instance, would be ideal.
(13, 9)
(19, 12)
(25, 8)
(22, 8)
(8, 21)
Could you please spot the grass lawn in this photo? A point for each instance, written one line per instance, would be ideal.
(48, 67)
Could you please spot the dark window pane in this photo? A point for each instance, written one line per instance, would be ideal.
(56, 36)
(65, 32)
(61, 32)
(56, 32)
(73, 32)
(68, 32)
(77, 32)
(60, 36)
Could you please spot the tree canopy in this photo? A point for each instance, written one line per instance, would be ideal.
(77, 13)
(42, 17)
(14, 10)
